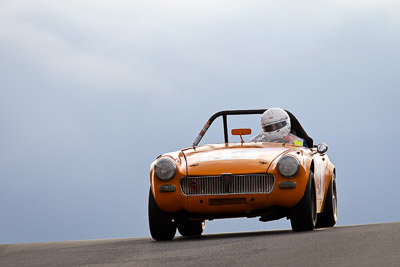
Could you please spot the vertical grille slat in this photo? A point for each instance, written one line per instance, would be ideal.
(239, 184)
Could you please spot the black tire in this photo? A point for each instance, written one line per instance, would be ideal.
(161, 224)
(188, 227)
(328, 217)
(304, 215)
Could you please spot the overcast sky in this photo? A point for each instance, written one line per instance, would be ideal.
(92, 91)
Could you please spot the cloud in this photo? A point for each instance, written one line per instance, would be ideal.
(94, 45)
(166, 47)
(68, 51)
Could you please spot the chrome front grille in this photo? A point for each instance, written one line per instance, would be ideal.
(227, 184)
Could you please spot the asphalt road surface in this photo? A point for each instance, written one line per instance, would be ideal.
(362, 245)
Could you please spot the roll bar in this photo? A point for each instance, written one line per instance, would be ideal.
(296, 126)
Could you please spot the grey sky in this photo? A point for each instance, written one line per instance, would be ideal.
(92, 91)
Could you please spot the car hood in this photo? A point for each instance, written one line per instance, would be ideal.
(232, 158)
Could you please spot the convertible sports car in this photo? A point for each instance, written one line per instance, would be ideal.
(242, 179)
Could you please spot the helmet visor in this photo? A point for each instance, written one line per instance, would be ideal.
(274, 126)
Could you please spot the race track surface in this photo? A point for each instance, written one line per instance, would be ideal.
(362, 245)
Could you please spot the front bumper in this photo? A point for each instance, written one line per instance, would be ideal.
(284, 193)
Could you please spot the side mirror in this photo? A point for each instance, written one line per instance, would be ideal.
(322, 148)
(244, 131)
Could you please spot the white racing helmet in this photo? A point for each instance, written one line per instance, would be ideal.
(275, 123)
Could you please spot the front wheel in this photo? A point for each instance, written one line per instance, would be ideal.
(188, 227)
(329, 216)
(304, 215)
(161, 224)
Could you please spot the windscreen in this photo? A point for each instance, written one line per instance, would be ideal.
(215, 133)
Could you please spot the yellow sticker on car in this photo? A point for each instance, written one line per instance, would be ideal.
(298, 143)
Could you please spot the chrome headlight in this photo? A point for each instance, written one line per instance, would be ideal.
(288, 166)
(165, 169)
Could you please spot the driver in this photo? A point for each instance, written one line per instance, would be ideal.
(275, 123)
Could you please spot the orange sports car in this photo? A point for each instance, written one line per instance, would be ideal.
(239, 178)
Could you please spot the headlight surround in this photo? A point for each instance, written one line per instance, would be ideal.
(288, 166)
(165, 169)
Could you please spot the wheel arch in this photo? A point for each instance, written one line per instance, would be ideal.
(312, 169)
(332, 171)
